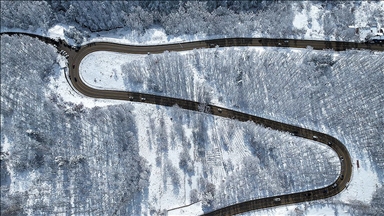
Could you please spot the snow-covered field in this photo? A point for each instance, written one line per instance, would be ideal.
(103, 69)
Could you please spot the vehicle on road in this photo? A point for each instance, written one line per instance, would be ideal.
(142, 99)
(277, 199)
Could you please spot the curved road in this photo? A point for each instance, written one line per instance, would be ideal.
(77, 54)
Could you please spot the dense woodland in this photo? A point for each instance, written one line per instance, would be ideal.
(60, 151)
(340, 94)
(224, 18)
(305, 88)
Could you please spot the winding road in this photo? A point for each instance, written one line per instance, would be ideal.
(77, 54)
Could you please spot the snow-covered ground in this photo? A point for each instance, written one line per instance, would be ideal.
(310, 19)
(109, 76)
(60, 85)
(307, 19)
(103, 70)
(358, 190)
(149, 117)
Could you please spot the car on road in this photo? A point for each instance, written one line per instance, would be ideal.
(142, 99)
(130, 98)
(277, 199)
(334, 186)
(220, 110)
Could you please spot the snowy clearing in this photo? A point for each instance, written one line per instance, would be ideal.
(103, 69)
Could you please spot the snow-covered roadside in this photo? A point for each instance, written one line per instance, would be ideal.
(362, 186)
(60, 86)
(102, 69)
(309, 18)
(194, 209)
(364, 181)
(309, 21)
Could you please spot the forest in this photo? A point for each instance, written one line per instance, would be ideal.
(59, 156)
(61, 151)
(211, 18)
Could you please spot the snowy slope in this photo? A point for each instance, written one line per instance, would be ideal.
(359, 189)
(72, 166)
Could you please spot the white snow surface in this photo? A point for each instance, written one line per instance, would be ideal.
(194, 209)
(103, 69)
(364, 180)
(363, 184)
(61, 86)
(102, 65)
(56, 31)
(164, 197)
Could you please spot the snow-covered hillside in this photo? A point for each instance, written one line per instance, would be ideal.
(189, 157)
(137, 21)
(198, 157)
(318, 87)
(64, 153)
